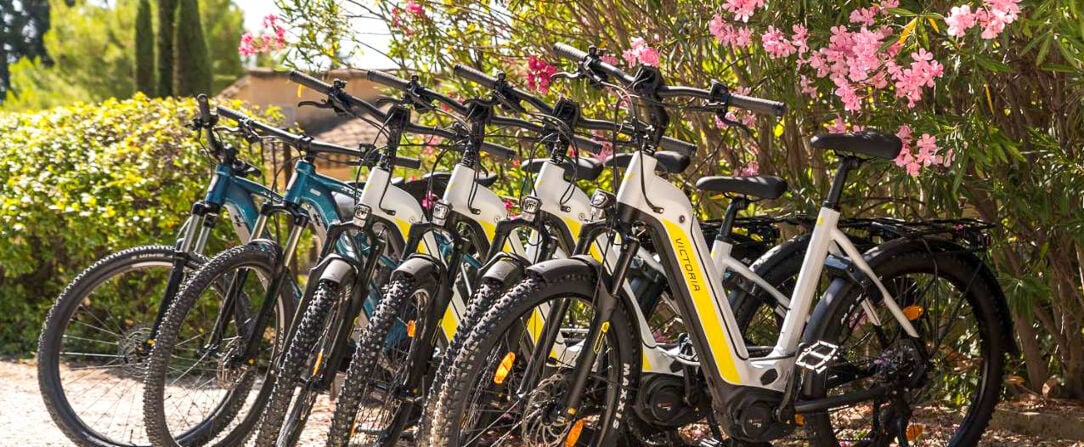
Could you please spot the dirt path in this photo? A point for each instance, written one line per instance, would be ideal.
(25, 422)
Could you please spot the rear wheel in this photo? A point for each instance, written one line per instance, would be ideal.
(484, 400)
(943, 385)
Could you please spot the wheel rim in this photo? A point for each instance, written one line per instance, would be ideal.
(933, 405)
(101, 360)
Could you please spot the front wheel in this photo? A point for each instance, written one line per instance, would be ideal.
(92, 351)
(302, 370)
(941, 387)
(484, 398)
(384, 381)
(197, 380)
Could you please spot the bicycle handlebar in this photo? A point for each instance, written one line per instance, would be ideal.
(413, 88)
(353, 102)
(755, 105)
(304, 142)
(591, 124)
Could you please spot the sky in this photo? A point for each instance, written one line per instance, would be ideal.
(256, 10)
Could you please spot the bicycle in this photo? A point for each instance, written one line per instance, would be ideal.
(758, 398)
(313, 354)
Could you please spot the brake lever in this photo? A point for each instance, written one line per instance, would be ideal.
(721, 114)
(317, 104)
(384, 100)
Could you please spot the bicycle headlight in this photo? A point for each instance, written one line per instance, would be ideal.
(361, 214)
(529, 207)
(600, 202)
(441, 211)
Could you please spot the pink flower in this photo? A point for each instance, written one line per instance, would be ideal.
(607, 151)
(270, 21)
(775, 44)
(414, 8)
(886, 4)
(927, 150)
(838, 125)
(247, 46)
(743, 9)
(807, 87)
(719, 122)
(743, 38)
(609, 59)
(751, 168)
(801, 35)
(864, 16)
(538, 74)
(921, 73)
(960, 19)
(641, 52)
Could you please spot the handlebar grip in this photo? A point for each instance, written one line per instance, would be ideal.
(386, 79)
(310, 82)
(498, 150)
(757, 105)
(569, 52)
(473, 75)
(232, 114)
(587, 144)
(407, 162)
(672, 144)
(204, 110)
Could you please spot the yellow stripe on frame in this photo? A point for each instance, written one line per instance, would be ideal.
(696, 281)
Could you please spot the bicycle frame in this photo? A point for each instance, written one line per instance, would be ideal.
(671, 220)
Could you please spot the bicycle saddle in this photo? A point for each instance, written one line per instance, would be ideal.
(874, 144)
(759, 186)
(581, 168)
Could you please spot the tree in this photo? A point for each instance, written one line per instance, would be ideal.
(223, 22)
(167, 11)
(22, 26)
(144, 49)
(191, 62)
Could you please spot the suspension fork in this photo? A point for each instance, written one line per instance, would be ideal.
(606, 302)
(556, 315)
(359, 293)
(282, 269)
(200, 222)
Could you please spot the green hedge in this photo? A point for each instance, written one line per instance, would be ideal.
(79, 182)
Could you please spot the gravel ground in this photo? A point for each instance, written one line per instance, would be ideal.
(25, 422)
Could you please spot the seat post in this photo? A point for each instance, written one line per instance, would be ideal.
(736, 205)
(840, 180)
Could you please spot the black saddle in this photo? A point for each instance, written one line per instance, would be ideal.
(669, 161)
(580, 168)
(759, 186)
(874, 144)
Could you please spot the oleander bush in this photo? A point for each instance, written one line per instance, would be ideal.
(79, 182)
(987, 94)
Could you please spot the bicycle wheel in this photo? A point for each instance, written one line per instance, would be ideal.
(198, 383)
(379, 395)
(760, 315)
(483, 299)
(942, 387)
(479, 405)
(300, 369)
(91, 355)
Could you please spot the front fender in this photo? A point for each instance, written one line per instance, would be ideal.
(419, 268)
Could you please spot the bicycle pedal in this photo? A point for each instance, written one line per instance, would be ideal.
(817, 356)
(711, 442)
